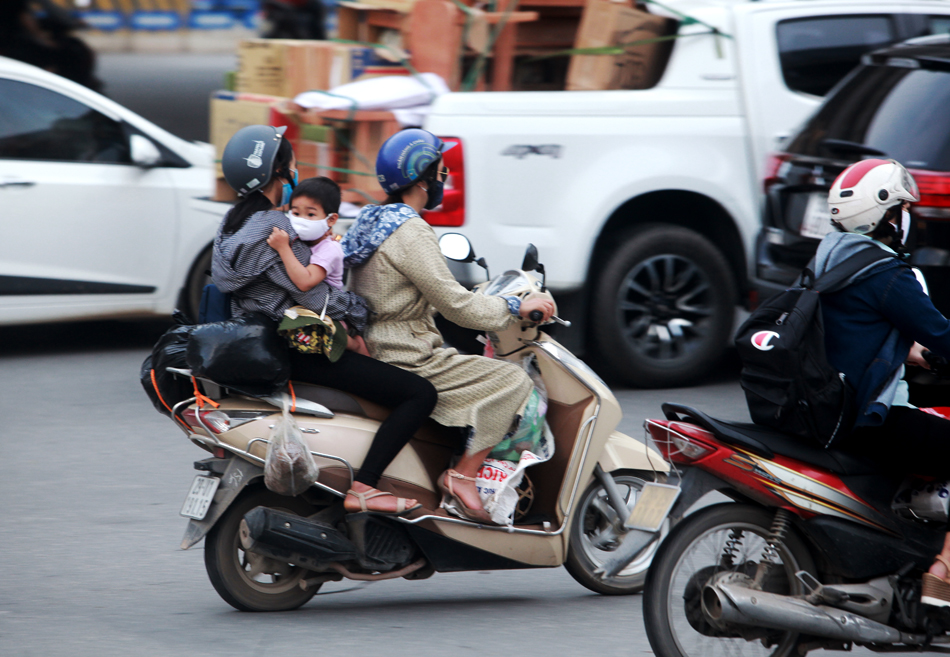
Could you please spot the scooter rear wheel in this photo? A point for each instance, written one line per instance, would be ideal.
(246, 581)
(594, 536)
(725, 537)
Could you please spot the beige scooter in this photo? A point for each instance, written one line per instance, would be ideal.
(266, 552)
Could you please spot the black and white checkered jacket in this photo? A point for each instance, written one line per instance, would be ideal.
(252, 272)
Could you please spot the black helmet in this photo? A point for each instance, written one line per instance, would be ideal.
(248, 159)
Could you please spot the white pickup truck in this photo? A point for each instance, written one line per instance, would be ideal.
(645, 204)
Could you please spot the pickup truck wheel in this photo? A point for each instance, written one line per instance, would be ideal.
(663, 308)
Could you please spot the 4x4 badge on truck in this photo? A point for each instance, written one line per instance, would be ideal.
(521, 151)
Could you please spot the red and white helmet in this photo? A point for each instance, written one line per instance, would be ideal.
(864, 192)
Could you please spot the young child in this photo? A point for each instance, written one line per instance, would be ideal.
(314, 208)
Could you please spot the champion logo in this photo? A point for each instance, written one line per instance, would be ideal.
(254, 159)
(761, 340)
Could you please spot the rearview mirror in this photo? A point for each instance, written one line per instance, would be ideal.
(530, 262)
(143, 152)
(455, 246)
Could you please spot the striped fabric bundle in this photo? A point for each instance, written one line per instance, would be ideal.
(245, 266)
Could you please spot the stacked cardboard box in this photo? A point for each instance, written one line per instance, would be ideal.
(230, 112)
(608, 24)
(283, 67)
(347, 151)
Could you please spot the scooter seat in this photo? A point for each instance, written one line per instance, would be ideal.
(767, 442)
(343, 402)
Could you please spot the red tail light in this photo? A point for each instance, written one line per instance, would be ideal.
(772, 167)
(452, 210)
(214, 420)
(673, 442)
(934, 194)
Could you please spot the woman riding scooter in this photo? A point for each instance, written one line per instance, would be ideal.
(259, 164)
(400, 271)
(882, 318)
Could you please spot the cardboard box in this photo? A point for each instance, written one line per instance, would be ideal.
(283, 67)
(605, 24)
(232, 111)
(223, 192)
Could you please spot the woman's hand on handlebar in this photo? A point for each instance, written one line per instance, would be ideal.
(541, 305)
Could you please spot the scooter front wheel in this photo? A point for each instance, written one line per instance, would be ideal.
(594, 536)
(247, 581)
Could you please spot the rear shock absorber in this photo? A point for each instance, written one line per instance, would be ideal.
(730, 549)
(777, 534)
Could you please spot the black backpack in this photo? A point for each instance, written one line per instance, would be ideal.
(788, 382)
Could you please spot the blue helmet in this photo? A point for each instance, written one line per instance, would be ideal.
(405, 156)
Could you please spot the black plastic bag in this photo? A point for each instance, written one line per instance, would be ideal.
(162, 387)
(245, 354)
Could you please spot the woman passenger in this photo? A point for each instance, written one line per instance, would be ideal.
(399, 269)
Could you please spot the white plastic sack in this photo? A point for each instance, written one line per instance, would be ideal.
(386, 93)
(289, 469)
(497, 480)
(412, 117)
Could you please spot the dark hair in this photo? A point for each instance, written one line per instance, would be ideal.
(429, 174)
(256, 201)
(886, 232)
(322, 190)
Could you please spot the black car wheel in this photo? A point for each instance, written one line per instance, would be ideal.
(663, 307)
(197, 279)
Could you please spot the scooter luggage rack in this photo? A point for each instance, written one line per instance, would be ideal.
(246, 454)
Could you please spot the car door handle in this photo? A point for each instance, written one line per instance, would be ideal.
(16, 182)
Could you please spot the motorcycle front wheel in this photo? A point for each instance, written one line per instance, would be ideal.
(247, 581)
(594, 537)
(713, 540)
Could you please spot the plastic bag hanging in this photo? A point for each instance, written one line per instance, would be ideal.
(289, 469)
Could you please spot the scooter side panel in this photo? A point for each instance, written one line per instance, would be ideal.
(529, 549)
(346, 436)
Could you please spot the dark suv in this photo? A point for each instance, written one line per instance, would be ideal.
(895, 105)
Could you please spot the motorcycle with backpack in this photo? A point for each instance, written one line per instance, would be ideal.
(820, 548)
(266, 551)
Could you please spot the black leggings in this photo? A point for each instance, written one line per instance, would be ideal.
(909, 442)
(410, 397)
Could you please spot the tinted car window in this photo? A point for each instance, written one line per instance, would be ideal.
(39, 124)
(901, 112)
(938, 24)
(815, 53)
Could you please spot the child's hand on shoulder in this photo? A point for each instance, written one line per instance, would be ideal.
(278, 239)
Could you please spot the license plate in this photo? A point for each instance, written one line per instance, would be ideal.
(817, 220)
(200, 497)
(653, 505)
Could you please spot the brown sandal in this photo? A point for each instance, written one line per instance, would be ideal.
(454, 504)
(936, 590)
(401, 508)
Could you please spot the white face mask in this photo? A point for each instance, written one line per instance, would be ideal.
(308, 230)
(905, 225)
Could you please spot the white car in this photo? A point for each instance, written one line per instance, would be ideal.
(103, 213)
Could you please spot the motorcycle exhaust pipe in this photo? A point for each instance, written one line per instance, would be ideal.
(729, 600)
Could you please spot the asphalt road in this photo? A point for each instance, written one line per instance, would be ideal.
(92, 483)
